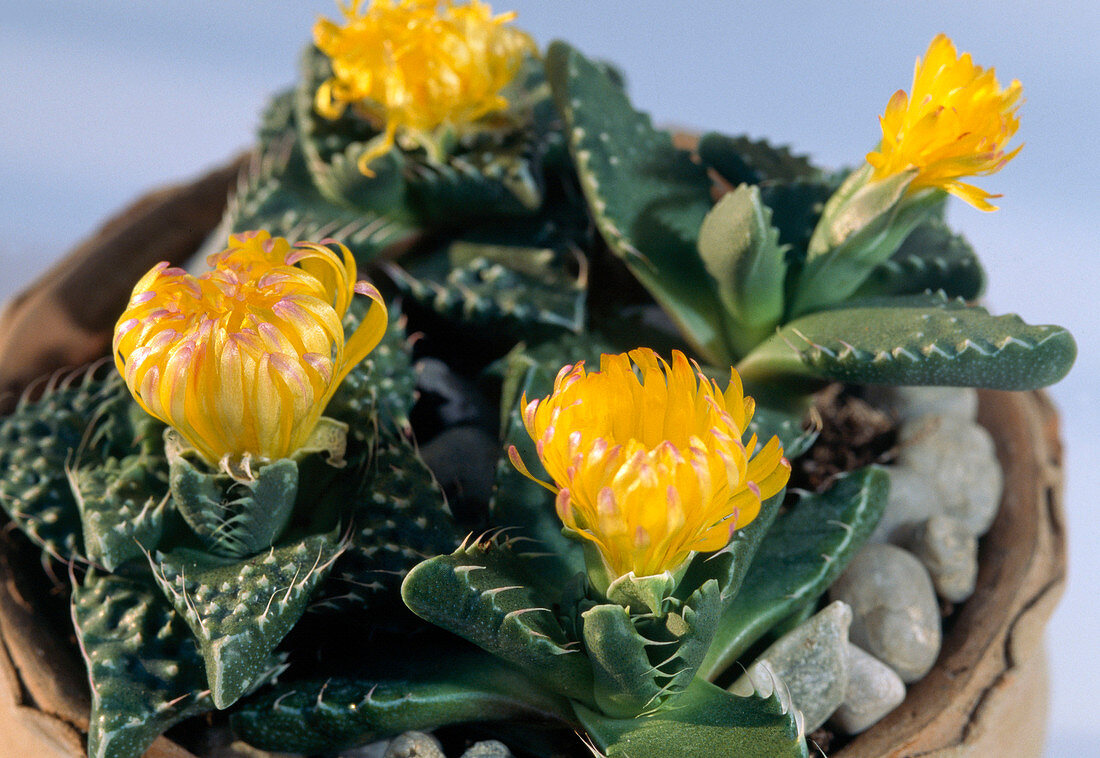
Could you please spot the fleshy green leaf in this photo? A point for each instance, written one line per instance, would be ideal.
(688, 630)
(340, 181)
(416, 693)
(483, 593)
(785, 424)
(703, 722)
(932, 257)
(862, 225)
(625, 681)
(740, 248)
(741, 160)
(143, 664)
(516, 290)
(122, 506)
(234, 518)
(494, 179)
(400, 518)
(83, 415)
(380, 389)
(894, 341)
(275, 192)
(648, 198)
(643, 660)
(804, 551)
(638, 594)
(240, 610)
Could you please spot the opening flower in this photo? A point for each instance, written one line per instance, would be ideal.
(648, 461)
(413, 68)
(956, 123)
(242, 359)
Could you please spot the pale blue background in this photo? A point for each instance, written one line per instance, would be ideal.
(100, 101)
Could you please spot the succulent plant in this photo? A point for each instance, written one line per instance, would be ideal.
(246, 488)
(203, 543)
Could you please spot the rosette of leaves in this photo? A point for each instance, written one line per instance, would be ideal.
(786, 276)
(304, 181)
(186, 580)
(530, 640)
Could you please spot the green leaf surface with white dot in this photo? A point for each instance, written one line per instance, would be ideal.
(398, 693)
(275, 192)
(144, 666)
(380, 389)
(521, 291)
(484, 593)
(803, 552)
(912, 341)
(741, 160)
(85, 416)
(933, 258)
(122, 507)
(647, 197)
(399, 519)
(703, 722)
(240, 610)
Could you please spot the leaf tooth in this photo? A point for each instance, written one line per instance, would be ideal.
(516, 614)
(934, 348)
(900, 352)
(1009, 340)
(978, 346)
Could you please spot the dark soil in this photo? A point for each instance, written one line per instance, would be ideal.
(853, 434)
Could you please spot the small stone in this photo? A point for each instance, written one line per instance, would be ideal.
(910, 503)
(960, 463)
(812, 660)
(908, 403)
(950, 553)
(373, 750)
(415, 745)
(488, 749)
(873, 691)
(895, 616)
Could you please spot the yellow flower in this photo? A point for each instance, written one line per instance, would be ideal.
(651, 469)
(408, 66)
(955, 124)
(242, 360)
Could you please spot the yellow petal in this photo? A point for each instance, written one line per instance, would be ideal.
(243, 359)
(414, 68)
(955, 123)
(647, 459)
